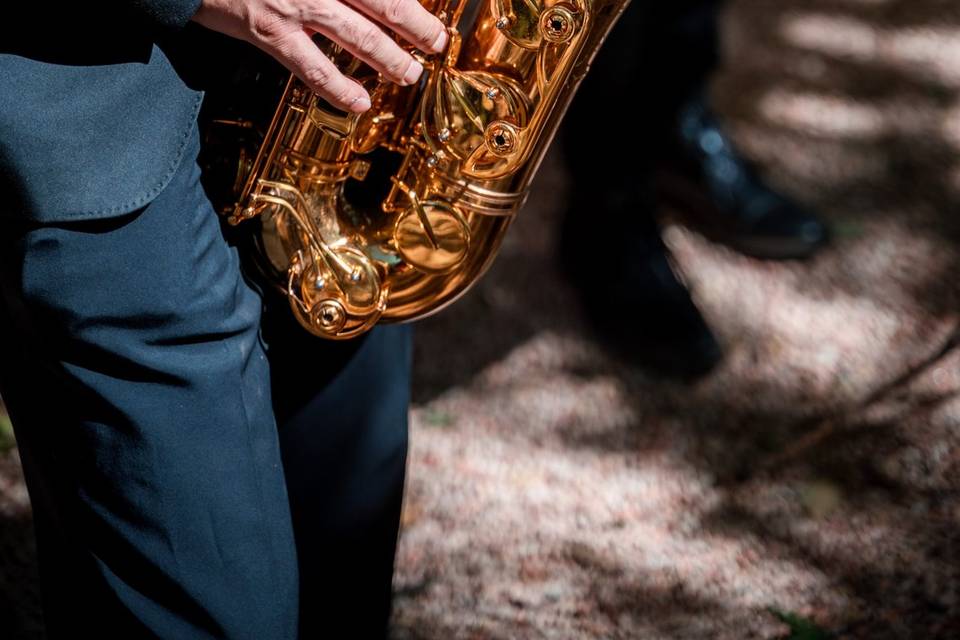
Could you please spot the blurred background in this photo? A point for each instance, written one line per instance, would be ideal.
(803, 483)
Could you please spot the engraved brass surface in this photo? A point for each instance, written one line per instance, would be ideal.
(468, 139)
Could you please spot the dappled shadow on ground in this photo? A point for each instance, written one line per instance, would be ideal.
(558, 491)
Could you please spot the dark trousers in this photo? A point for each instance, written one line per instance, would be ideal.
(624, 118)
(198, 465)
(659, 54)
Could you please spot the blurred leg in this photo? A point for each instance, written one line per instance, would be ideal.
(133, 371)
(662, 52)
(679, 49)
(614, 137)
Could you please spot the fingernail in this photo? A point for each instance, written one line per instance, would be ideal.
(413, 73)
(440, 42)
(360, 104)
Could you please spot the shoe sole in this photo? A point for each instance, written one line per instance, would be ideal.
(699, 212)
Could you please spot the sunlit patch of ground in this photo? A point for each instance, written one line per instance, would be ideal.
(555, 493)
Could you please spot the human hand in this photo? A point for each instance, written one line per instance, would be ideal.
(283, 29)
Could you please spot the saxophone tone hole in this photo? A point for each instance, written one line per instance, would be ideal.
(501, 138)
(330, 316)
(557, 24)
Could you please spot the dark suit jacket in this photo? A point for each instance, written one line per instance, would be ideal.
(94, 118)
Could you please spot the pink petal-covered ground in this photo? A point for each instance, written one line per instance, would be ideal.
(555, 492)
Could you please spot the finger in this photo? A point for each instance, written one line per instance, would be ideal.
(298, 53)
(409, 20)
(367, 41)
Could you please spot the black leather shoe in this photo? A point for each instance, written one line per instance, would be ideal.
(610, 248)
(718, 191)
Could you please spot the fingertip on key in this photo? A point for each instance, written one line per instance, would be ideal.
(440, 43)
(360, 104)
(413, 73)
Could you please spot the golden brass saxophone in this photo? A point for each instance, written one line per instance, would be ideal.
(466, 142)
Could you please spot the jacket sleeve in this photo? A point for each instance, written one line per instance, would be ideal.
(167, 14)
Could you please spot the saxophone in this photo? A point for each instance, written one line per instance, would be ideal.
(392, 214)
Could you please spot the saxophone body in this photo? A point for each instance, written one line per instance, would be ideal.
(392, 214)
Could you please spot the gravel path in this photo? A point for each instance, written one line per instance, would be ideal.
(557, 493)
